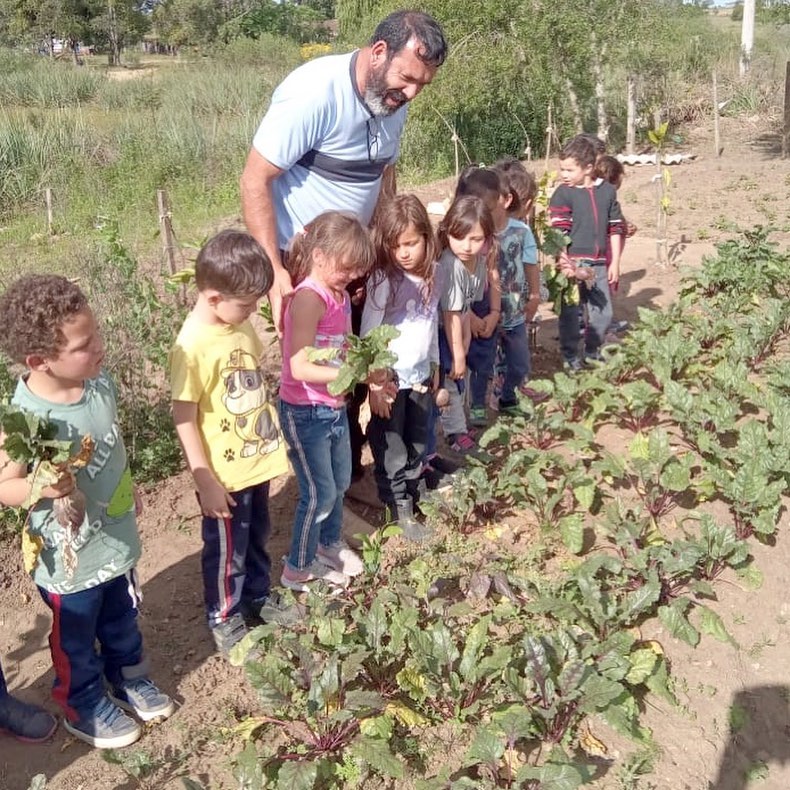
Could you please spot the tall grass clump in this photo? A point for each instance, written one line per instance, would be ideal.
(49, 84)
(36, 151)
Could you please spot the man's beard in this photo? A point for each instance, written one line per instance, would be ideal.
(377, 92)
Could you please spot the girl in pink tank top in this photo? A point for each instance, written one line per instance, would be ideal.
(333, 250)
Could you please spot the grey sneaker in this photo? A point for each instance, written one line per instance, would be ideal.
(141, 697)
(274, 609)
(27, 723)
(104, 727)
(229, 633)
(299, 578)
(340, 557)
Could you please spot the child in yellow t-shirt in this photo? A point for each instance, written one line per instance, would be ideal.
(229, 432)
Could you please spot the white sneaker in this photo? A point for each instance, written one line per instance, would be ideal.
(341, 557)
(299, 578)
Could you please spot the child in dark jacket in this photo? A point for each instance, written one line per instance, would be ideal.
(585, 207)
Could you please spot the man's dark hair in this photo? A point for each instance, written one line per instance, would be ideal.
(580, 149)
(234, 264)
(400, 27)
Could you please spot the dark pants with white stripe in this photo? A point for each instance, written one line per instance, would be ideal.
(106, 613)
(236, 565)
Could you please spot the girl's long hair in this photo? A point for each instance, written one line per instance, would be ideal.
(461, 218)
(339, 235)
(395, 217)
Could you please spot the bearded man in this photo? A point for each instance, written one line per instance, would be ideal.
(332, 133)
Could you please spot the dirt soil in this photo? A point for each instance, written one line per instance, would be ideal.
(748, 184)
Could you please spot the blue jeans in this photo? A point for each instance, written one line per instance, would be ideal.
(320, 453)
(515, 349)
(107, 613)
(598, 302)
(235, 562)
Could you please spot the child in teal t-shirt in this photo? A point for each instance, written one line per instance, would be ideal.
(85, 570)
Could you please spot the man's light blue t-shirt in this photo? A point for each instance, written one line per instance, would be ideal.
(319, 130)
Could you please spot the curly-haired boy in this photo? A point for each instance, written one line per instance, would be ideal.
(85, 572)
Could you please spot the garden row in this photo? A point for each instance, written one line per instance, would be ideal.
(480, 659)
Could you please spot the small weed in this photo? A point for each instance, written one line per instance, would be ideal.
(703, 234)
(756, 772)
(756, 650)
(721, 223)
(138, 764)
(706, 690)
(738, 718)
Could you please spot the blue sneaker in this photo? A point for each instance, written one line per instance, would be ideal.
(105, 727)
(27, 723)
(141, 697)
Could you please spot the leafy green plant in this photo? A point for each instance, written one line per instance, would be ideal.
(360, 357)
(140, 324)
(655, 470)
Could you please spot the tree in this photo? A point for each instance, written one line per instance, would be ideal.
(110, 23)
(182, 22)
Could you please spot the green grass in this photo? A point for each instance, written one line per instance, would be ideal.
(105, 146)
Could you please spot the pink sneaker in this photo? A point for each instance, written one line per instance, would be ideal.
(299, 578)
(340, 557)
(462, 443)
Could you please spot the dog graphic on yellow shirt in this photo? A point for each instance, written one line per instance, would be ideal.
(245, 398)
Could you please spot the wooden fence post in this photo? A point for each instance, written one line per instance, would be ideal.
(630, 123)
(786, 129)
(48, 201)
(169, 246)
(166, 229)
(716, 131)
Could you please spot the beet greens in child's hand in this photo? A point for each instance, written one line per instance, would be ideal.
(361, 357)
(30, 440)
(554, 242)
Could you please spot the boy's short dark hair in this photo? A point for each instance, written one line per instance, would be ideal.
(32, 313)
(519, 182)
(234, 264)
(580, 149)
(596, 142)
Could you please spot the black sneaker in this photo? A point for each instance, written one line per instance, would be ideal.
(229, 633)
(275, 609)
(27, 723)
(104, 727)
(141, 697)
(442, 465)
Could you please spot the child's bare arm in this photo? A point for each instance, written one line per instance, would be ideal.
(215, 501)
(16, 486)
(616, 242)
(310, 309)
(454, 329)
(495, 300)
(532, 276)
